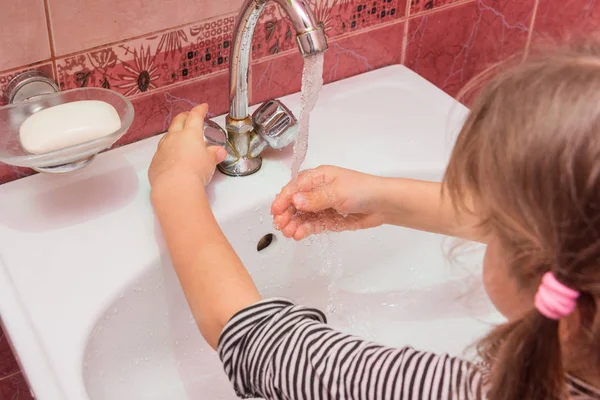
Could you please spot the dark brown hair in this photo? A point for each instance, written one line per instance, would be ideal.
(527, 163)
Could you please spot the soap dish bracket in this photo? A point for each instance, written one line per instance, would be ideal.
(28, 85)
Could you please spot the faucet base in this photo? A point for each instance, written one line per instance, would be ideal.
(241, 167)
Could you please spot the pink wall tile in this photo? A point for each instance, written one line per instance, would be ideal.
(153, 113)
(481, 33)
(560, 19)
(8, 173)
(23, 34)
(14, 387)
(82, 24)
(346, 57)
(8, 363)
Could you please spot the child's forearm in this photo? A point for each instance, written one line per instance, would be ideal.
(214, 280)
(420, 205)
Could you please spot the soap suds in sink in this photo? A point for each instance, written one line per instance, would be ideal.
(68, 124)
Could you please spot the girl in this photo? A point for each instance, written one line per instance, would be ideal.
(524, 178)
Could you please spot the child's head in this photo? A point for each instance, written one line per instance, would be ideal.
(527, 162)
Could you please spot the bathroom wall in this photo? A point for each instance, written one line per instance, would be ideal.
(169, 55)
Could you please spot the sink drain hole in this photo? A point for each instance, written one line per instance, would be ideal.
(265, 242)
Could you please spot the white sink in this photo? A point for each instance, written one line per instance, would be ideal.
(93, 307)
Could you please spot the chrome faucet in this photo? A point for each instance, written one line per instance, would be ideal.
(272, 124)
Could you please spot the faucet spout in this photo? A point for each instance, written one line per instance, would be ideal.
(309, 36)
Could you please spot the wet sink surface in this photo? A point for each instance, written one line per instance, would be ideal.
(96, 311)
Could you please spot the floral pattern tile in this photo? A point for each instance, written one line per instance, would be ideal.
(140, 66)
(346, 57)
(483, 32)
(5, 78)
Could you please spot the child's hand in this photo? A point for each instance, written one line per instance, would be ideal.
(327, 199)
(183, 151)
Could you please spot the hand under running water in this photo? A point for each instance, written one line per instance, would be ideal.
(328, 199)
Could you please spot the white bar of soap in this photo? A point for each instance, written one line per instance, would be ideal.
(67, 125)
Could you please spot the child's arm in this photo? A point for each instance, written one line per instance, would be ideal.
(350, 200)
(277, 350)
(422, 205)
(214, 280)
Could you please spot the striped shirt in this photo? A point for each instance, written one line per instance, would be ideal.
(277, 350)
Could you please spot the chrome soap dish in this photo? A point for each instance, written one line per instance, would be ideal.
(31, 92)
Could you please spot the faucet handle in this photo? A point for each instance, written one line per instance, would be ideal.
(275, 123)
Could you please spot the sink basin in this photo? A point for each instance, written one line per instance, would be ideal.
(93, 307)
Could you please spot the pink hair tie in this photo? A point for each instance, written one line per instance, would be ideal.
(553, 299)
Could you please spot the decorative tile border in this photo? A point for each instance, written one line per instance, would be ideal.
(137, 67)
(420, 6)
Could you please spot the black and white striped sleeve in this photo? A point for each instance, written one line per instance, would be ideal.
(277, 350)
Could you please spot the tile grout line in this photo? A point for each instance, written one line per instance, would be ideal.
(10, 375)
(531, 29)
(179, 84)
(51, 40)
(405, 33)
(26, 67)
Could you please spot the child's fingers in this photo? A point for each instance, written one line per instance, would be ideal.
(195, 119)
(307, 180)
(178, 122)
(217, 153)
(282, 202)
(290, 229)
(314, 201)
(303, 231)
(281, 220)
